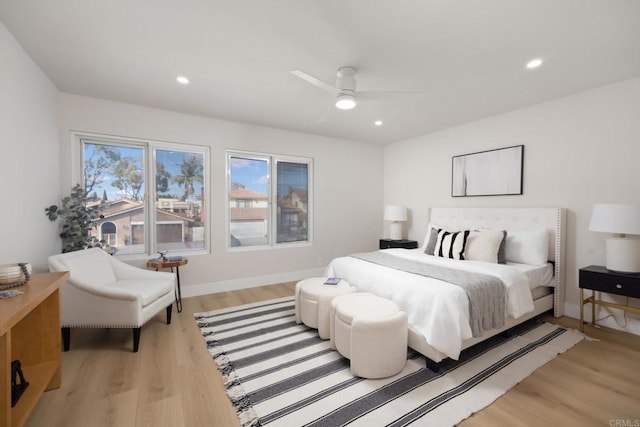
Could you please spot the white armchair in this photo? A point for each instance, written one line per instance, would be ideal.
(103, 292)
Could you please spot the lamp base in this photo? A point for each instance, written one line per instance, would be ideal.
(395, 230)
(623, 255)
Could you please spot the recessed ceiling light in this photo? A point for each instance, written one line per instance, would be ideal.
(182, 80)
(378, 123)
(534, 63)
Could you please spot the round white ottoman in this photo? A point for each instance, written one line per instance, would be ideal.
(370, 331)
(313, 299)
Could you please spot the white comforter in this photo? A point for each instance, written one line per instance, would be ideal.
(437, 309)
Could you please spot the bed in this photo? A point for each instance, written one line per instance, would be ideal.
(440, 323)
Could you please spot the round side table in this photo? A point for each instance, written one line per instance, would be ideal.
(159, 263)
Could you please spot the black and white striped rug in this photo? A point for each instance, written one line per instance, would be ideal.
(278, 373)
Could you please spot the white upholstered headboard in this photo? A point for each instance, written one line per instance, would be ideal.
(553, 219)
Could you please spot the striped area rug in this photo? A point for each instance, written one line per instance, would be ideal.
(278, 373)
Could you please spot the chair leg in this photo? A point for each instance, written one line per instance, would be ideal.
(66, 338)
(136, 339)
(169, 311)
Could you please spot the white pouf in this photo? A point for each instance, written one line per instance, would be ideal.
(370, 331)
(313, 299)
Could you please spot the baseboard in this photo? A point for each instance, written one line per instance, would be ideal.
(248, 282)
(626, 323)
(573, 311)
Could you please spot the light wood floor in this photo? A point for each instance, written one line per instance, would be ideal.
(172, 380)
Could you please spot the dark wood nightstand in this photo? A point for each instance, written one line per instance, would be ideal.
(598, 278)
(406, 244)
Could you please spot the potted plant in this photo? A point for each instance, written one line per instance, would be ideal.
(78, 220)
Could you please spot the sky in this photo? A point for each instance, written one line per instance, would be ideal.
(251, 173)
(254, 175)
(172, 161)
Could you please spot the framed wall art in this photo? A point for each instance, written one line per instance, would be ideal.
(488, 173)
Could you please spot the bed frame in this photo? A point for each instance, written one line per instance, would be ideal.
(554, 219)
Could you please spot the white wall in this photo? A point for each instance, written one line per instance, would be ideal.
(347, 184)
(579, 150)
(29, 157)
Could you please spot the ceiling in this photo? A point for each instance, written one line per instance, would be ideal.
(466, 57)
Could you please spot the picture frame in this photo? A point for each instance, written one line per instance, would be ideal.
(497, 172)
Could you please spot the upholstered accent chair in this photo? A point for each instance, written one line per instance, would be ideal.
(103, 292)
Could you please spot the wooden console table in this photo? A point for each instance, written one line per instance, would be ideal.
(30, 332)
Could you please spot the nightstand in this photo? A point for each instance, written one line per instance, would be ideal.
(598, 278)
(406, 244)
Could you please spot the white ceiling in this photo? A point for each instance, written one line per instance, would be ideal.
(467, 57)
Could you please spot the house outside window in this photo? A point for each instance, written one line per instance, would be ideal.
(137, 183)
(269, 199)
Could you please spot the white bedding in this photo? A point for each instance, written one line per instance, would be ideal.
(439, 310)
(539, 275)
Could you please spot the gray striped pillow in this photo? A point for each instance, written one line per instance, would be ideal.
(451, 244)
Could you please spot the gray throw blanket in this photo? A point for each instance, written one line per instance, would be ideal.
(487, 297)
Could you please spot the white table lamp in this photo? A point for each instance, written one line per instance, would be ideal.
(623, 253)
(397, 215)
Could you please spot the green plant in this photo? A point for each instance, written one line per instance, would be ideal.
(77, 221)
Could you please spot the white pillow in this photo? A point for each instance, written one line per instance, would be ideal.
(484, 245)
(527, 247)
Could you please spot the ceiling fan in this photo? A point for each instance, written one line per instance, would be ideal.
(344, 89)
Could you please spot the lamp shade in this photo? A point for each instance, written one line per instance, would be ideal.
(623, 254)
(395, 213)
(612, 218)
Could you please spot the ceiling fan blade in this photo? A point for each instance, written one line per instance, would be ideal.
(314, 81)
(379, 95)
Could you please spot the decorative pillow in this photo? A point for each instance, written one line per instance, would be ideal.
(502, 257)
(483, 245)
(431, 241)
(451, 244)
(427, 236)
(527, 247)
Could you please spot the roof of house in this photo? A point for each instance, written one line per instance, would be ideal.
(286, 206)
(243, 193)
(302, 193)
(117, 207)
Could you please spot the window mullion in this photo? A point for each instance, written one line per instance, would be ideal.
(270, 193)
(273, 204)
(150, 185)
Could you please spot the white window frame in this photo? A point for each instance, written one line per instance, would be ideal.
(272, 190)
(149, 195)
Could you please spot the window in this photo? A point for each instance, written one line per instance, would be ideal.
(108, 233)
(138, 183)
(269, 199)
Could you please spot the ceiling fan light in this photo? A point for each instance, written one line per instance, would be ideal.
(345, 101)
